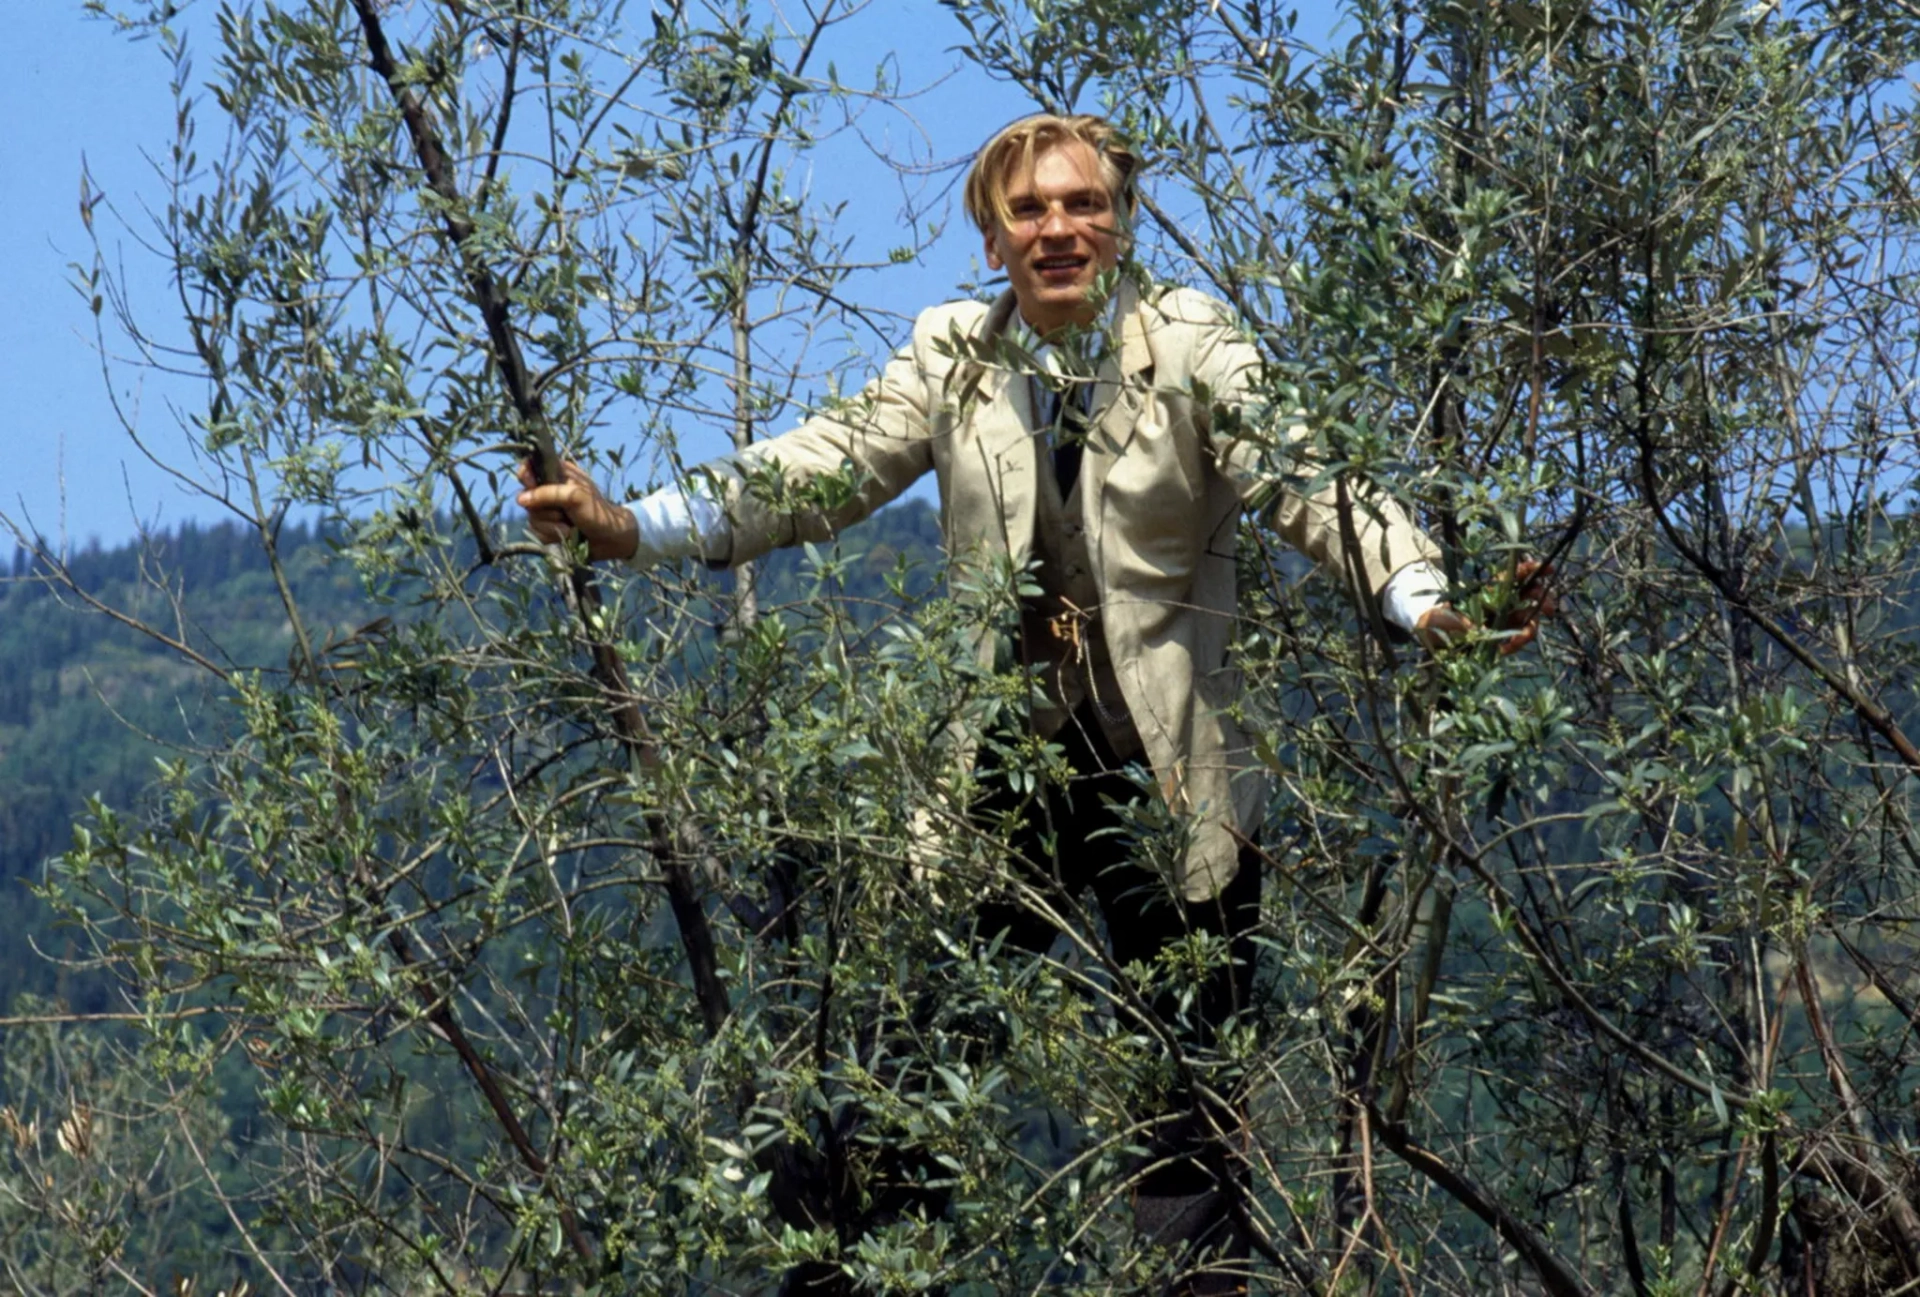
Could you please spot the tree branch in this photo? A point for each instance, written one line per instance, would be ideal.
(491, 298)
(1557, 1276)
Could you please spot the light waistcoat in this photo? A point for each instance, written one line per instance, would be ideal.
(1060, 630)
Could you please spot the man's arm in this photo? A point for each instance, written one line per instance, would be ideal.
(1413, 594)
(882, 435)
(1367, 538)
(1388, 554)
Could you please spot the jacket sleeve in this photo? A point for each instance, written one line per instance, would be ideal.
(1348, 528)
(842, 464)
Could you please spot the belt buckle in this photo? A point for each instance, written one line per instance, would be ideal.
(1067, 628)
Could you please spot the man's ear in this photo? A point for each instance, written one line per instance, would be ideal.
(993, 253)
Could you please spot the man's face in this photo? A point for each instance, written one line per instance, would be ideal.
(1062, 233)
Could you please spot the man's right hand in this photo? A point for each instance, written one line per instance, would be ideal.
(574, 507)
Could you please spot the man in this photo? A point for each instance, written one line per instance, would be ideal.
(1113, 460)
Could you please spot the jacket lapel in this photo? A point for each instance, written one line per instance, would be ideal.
(1005, 425)
(1003, 433)
(1118, 396)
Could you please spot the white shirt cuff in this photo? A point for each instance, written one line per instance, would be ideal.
(674, 524)
(1411, 593)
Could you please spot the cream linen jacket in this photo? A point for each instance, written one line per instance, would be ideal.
(1161, 501)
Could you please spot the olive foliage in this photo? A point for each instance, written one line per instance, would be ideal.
(565, 936)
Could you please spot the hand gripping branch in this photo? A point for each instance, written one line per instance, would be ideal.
(489, 294)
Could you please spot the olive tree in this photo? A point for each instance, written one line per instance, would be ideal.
(561, 929)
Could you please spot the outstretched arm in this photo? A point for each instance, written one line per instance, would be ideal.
(882, 435)
(1375, 544)
(1362, 538)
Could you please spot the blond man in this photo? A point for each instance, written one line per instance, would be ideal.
(1114, 460)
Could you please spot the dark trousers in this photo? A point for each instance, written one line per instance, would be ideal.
(1189, 1197)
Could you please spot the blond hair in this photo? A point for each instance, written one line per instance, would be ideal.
(1016, 146)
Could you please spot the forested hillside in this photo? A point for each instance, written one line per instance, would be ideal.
(88, 703)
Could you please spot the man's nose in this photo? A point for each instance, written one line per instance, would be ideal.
(1054, 223)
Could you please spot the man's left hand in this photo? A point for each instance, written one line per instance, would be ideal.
(1532, 600)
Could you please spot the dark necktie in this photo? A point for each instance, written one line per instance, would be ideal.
(1069, 432)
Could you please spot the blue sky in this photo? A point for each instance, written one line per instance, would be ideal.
(80, 90)
(75, 89)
